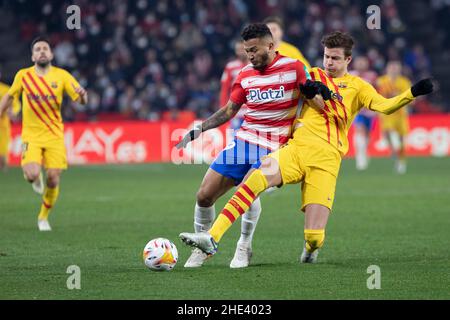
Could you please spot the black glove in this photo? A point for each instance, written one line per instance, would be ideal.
(191, 135)
(311, 88)
(324, 91)
(424, 86)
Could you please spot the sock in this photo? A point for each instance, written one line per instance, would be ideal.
(249, 221)
(48, 201)
(314, 239)
(239, 203)
(361, 150)
(203, 218)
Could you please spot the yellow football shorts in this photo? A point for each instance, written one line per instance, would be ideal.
(4, 140)
(51, 155)
(313, 162)
(398, 122)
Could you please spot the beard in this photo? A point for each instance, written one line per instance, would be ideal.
(43, 63)
(264, 60)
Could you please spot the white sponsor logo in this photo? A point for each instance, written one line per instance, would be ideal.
(258, 95)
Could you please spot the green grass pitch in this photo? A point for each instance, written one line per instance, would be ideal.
(106, 214)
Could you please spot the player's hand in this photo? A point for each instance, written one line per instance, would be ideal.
(81, 92)
(424, 86)
(311, 88)
(191, 135)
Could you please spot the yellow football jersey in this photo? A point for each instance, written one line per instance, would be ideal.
(288, 50)
(41, 102)
(350, 94)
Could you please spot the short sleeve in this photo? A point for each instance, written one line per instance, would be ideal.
(238, 95)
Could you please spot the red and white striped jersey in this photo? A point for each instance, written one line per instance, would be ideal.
(271, 97)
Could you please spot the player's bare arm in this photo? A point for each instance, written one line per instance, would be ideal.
(217, 119)
(82, 93)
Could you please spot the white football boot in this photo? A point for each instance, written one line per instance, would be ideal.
(309, 257)
(38, 184)
(202, 240)
(196, 259)
(242, 256)
(43, 225)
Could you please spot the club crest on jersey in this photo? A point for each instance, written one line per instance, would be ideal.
(258, 95)
(54, 85)
(336, 96)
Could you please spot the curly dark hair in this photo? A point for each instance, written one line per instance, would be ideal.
(339, 39)
(255, 30)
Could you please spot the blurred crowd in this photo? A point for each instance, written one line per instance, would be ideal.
(142, 58)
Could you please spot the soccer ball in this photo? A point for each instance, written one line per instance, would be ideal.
(160, 254)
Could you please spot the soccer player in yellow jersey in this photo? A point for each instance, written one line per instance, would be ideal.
(395, 126)
(313, 155)
(41, 87)
(5, 128)
(275, 25)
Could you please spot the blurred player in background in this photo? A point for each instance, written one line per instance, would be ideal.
(42, 87)
(363, 122)
(314, 153)
(229, 74)
(5, 127)
(395, 126)
(270, 88)
(276, 27)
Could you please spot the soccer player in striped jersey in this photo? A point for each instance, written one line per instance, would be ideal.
(42, 87)
(313, 155)
(270, 88)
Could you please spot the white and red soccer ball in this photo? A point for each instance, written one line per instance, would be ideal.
(160, 254)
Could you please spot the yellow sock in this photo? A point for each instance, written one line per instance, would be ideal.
(314, 239)
(238, 204)
(48, 201)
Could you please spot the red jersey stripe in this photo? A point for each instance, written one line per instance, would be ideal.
(38, 115)
(336, 88)
(44, 97)
(41, 107)
(324, 113)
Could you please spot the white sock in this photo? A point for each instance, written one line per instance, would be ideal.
(203, 218)
(361, 150)
(249, 221)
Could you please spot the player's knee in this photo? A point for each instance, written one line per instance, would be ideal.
(204, 199)
(314, 239)
(31, 175)
(53, 179)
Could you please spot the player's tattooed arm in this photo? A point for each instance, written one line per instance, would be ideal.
(217, 119)
(221, 116)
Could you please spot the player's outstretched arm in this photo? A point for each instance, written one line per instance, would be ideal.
(371, 99)
(217, 119)
(5, 103)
